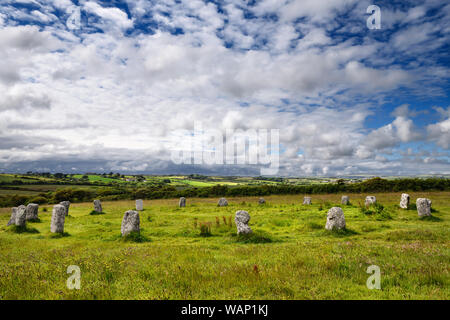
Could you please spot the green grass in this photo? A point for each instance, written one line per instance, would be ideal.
(295, 257)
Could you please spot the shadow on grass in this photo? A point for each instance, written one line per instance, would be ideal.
(59, 235)
(254, 237)
(25, 229)
(37, 220)
(96, 213)
(431, 219)
(341, 233)
(136, 237)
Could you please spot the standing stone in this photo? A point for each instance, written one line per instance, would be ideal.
(222, 202)
(97, 206)
(335, 219)
(261, 201)
(182, 202)
(241, 219)
(307, 200)
(12, 219)
(32, 211)
(21, 216)
(370, 200)
(423, 207)
(404, 201)
(58, 218)
(130, 222)
(345, 200)
(139, 204)
(66, 205)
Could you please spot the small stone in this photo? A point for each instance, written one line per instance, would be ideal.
(345, 200)
(130, 222)
(423, 207)
(370, 200)
(58, 218)
(335, 219)
(404, 201)
(139, 204)
(261, 201)
(97, 206)
(32, 211)
(222, 202)
(307, 200)
(12, 219)
(66, 205)
(241, 219)
(182, 202)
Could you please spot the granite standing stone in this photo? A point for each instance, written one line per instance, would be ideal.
(370, 200)
(32, 211)
(139, 204)
(404, 201)
(97, 206)
(130, 222)
(423, 207)
(66, 205)
(21, 216)
(241, 219)
(345, 200)
(261, 201)
(335, 219)
(12, 219)
(222, 202)
(182, 202)
(58, 218)
(307, 200)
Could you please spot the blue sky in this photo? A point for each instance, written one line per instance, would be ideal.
(110, 91)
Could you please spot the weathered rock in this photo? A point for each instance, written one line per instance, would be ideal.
(182, 202)
(66, 205)
(261, 201)
(222, 202)
(97, 206)
(58, 218)
(335, 219)
(130, 222)
(307, 200)
(241, 219)
(370, 200)
(139, 204)
(12, 219)
(32, 211)
(404, 201)
(345, 200)
(423, 207)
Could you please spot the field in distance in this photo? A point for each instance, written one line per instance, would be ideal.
(289, 256)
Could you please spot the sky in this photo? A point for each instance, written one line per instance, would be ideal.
(100, 86)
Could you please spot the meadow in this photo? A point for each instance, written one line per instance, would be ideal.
(289, 256)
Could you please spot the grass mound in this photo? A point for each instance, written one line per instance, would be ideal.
(135, 237)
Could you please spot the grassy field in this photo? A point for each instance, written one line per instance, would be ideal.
(289, 256)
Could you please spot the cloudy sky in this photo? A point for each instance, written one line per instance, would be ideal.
(106, 86)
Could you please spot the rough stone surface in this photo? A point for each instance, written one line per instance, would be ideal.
(222, 202)
(58, 218)
(345, 200)
(21, 216)
(139, 204)
(66, 205)
(370, 200)
(261, 201)
(182, 202)
(130, 222)
(404, 201)
(97, 206)
(32, 211)
(307, 200)
(423, 207)
(12, 219)
(335, 219)
(241, 219)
